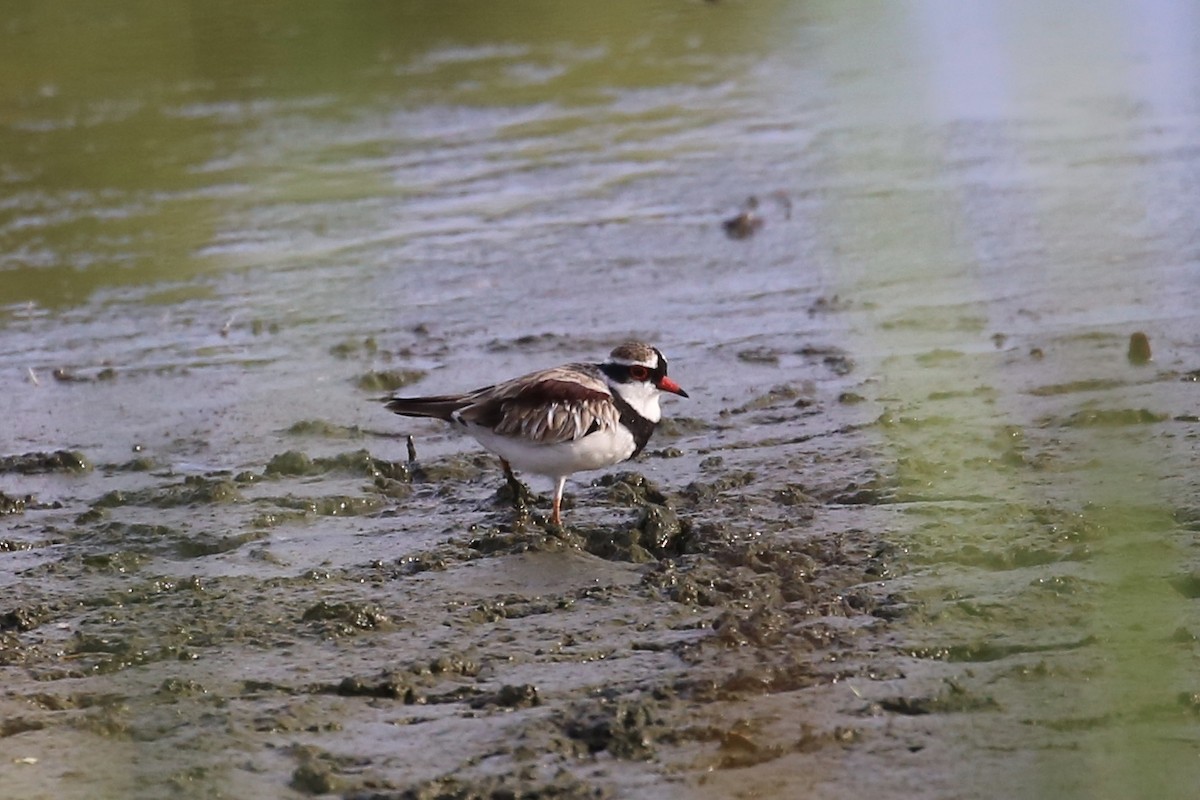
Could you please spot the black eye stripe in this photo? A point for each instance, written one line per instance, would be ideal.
(621, 373)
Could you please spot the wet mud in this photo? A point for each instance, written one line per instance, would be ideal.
(445, 640)
(349, 623)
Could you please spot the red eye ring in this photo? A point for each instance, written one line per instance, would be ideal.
(638, 372)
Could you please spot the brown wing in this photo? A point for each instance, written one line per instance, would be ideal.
(555, 405)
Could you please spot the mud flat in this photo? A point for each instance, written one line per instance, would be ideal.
(840, 584)
(373, 628)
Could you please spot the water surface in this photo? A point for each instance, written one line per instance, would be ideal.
(978, 515)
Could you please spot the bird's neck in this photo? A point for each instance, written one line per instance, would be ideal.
(642, 399)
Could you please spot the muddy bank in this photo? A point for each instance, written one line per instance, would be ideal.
(435, 641)
(848, 582)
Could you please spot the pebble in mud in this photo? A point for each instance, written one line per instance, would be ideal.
(356, 462)
(631, 489)
(643, 543)
(58, 461)
(363, 616)
(1139, 349)
(314, 777)
(387, 687)
(511, 697)
(623, 729)
(662, 531)
(24, 618)
(12, 505)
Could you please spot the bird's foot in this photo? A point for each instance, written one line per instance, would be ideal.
(517, 495)
(554, 526)
(517, 492)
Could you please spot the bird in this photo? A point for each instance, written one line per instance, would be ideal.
(562, 420)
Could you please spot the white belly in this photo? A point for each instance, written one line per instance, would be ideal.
(600, 449)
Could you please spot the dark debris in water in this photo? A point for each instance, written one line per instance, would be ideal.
(750, 219)
(1138, 352)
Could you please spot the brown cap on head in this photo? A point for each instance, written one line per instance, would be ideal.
(636, 353)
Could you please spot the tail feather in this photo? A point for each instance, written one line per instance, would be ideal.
(437, 406)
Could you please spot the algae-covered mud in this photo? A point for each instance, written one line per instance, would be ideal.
(926, 526)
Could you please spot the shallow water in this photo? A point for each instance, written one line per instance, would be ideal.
(923, 528)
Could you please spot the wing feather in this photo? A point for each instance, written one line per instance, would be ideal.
(555, 405)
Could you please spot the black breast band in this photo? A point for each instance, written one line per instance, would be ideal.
(639, 426)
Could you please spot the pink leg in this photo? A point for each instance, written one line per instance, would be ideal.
(556, 516)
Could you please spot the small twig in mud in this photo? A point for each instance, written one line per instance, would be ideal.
(785, 202)
(412, 449)
(33, 378)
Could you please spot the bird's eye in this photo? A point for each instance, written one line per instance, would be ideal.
(638, 372)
